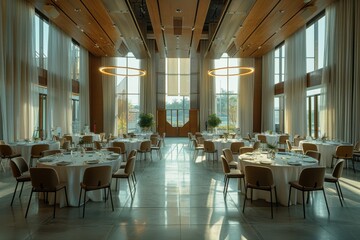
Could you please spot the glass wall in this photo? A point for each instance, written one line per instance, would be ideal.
(279, 64)
(226, 94)
(315, 42)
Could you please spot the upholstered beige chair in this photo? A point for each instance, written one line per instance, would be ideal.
(6, 153)
(20, 171)
(292, 148)
(126, 173)
(88, 141)
(309, 146)
(246, 150)
(114, 149)
(260, 178)
(311, 179)
(334, 178)
(69, 138)
(209, 148)
(36, 152)
(282, 141)
(122, 146)
(123, 164)
(262, 139)
(314, 154)
(235, 147)
(197, 147)
(227, 154)
(156, 147)
(96, 178)
(51, 152)
(145, 147)
(344, 152)
(256, 145)
(230, 173)
(45, 180)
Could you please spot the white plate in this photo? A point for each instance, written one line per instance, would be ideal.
(294, 163)
(267, 162)
(63, 163)
(91, 161)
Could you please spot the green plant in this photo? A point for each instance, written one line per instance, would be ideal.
(213, 120)
(146, 120)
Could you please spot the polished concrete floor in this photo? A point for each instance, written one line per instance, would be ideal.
(179, 198)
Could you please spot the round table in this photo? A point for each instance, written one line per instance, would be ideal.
(285, 167)
(71, 167)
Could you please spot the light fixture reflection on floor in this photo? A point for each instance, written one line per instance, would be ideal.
(231, 71)
(128, 71)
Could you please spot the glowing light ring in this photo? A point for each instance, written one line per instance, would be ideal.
(247, 71)
(105, 70)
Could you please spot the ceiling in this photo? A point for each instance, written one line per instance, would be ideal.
(247, 28)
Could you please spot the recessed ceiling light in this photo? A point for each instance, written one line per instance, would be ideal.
(178, 10)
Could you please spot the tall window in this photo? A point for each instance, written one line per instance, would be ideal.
(226, 94)
(279, 64)
(128, 96)
(41, 41)
(279, 113)
(75, 73)
(315, 42)
(177, 75)
(313, 112)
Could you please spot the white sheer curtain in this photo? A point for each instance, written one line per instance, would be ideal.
(267, 106)
(295, 83)
(340, 116)
(59, 82)
(206, 87)
(246, 96)
(84, 88)
(18, 71)
(109, 97)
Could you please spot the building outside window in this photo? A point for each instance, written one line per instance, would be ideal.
(279, 64)
(315, 44)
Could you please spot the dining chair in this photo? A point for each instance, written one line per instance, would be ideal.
(356, 152)
(190, 138)
(228, 155)
(309, 146)
(7, 153)
(344, 152)
(209, 148)
(45, 180)
(256, 145)
(246, 150)
(282, 141)
(260, 178)
(200, 140)
(314, 154)
(122, 146)
(98, 145)
(297, 141)
(126, 173)
(230, 173)
(262, 139)
(292, 148)
(36, 152)
(335, 176)
(70, 139)
(2, 142)
(96, 178)
(88, 141)
(145, 147)
(197, 147)
(123, 164)
(310, 179)
(156, 147)
(20, 171)
(235, 147)
(50, 152)
(114, 150)
(66, 145)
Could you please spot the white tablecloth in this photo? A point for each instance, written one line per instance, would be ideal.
(327, 149)
(221, 143)
(24, 148)
(283, 173)
(72, 175)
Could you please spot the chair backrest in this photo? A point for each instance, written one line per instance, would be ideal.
(312, 177)
(246, 149)
(145, 146)
(66, 145)
(18, 166)
(37, 149)
(356, 147)
(228, 155)
(132, 154)
(114, 149)
(102, 136)
(154, 140)
(283, 138)
(2, 142)
(337, 172)
(69, 138)
(121, 145)
(5, 150)
(98, 176)
(344, 151)
(130, 166)
(256, 145)
(200, 140)
(43, 179)
(288, 143)
(261, 138)
(314, 154)
(98, 145)
(297, 140)
(225, 164)
(259, 176)
(50, 152)
(209, 146)
(309, 146)
(235, 146)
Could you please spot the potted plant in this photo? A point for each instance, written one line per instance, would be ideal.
(146, 121)
(213, 121)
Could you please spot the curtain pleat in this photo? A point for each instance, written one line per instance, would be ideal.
(84, 101)
(267, 98)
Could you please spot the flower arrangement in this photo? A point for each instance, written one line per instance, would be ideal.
(146, 121)
(213, 120)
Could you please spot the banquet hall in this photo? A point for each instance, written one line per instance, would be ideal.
(274, 75)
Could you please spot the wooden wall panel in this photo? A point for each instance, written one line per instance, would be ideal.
(257, 95)
(161, 121)
(96, 94)
(194, 121)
